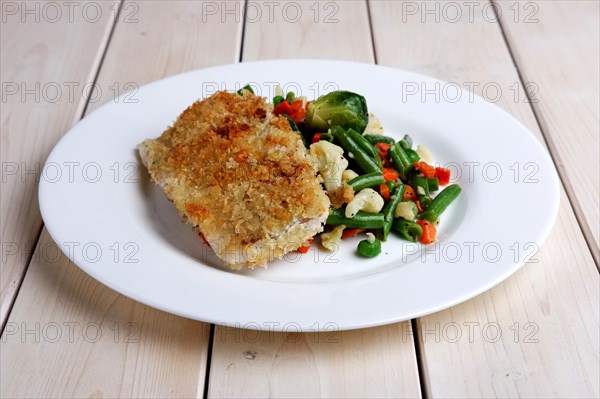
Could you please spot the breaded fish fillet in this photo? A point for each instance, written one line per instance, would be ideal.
(241, 176)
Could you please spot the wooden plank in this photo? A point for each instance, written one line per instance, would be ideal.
(70, 336)
(192, 35)
(319, 29)
(565, 37)
(553, 350)
(48, 55)
(155, 354)
(375, 362)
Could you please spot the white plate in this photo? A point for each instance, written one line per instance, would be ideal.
(100, 207)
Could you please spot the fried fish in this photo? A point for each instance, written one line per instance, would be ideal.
(241, 176)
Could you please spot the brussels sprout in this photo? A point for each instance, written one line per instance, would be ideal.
(338, 108)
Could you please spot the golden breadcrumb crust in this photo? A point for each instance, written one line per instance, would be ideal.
(341, 195)
(241, 176)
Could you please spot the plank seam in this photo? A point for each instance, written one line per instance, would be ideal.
(79, 115)
(421, 369)
(371, 30)
(22, 278)
(211, 340)
(420, 357)
(573, 202)
(104, 52)
(241, 57)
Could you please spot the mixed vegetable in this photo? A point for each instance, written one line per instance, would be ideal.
(376, 184)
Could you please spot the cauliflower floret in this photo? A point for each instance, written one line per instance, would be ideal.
(373, 126)
(371, 238)
(348, 175)
(405, 210)
(367, 200)
(331, 163)
(333, 239)
(424, 154)
(278, 91)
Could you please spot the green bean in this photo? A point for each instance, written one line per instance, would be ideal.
(421, 187)
(400, 160)
(369, 249)
(292, 123)
(406, 142)
(412, 155)
(407, 229)
(391, 185)
(366, 163)
(290, 96)
(326, 137)
(361, 220)
(364, 181)
(361, 141)
(440, 203)
(379, 138)
(277, 100)
(433, 183)
(378, 160)
(294, 127)
(390, 208)
(247, 87)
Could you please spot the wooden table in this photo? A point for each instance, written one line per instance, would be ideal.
(66, 335)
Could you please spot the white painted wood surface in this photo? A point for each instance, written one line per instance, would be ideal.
(70, 336)
(142, 352)
(554, 350)
(46, 63)
(170, 37)
(309, 29)
(560, 58)
(547, 314)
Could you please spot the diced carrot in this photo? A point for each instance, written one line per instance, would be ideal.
(384, 190)
(390, 174)
(409, 193)
(427, 170)
(316, 137)
(347, 233)
(304, 249)
(419, 208)
(383, 154)
(295, 110)
(429, 231)
(284, 107)
(384, 147)
(443, 175)
(298, 111)
(204, 239)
